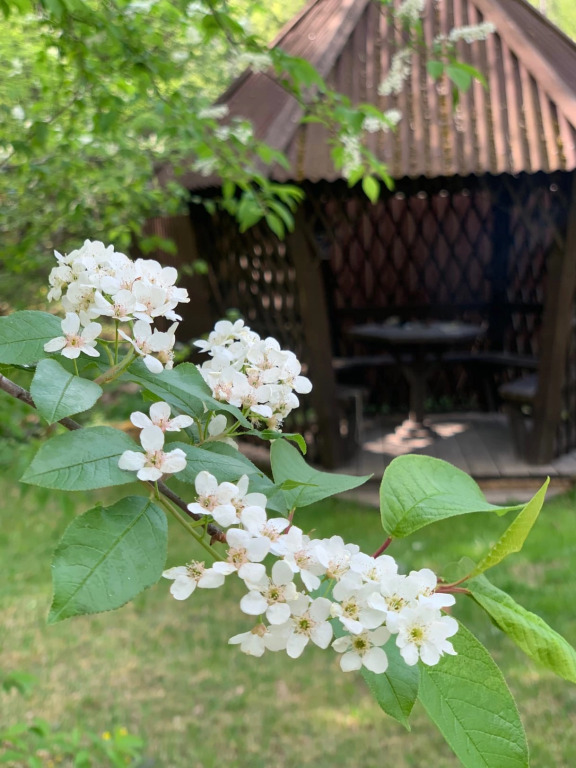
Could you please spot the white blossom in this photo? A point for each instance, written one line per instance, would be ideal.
(187, 577)
(74, 341)
(309, 622)
(154, 463)
(245, 555)
(258, 640)
(160, 417)
(423, 633)
(272, 595)
(363, 650)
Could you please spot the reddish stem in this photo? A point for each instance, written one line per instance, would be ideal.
(383, 547)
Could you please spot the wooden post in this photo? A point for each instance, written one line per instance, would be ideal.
(314, 310)
(557, 327)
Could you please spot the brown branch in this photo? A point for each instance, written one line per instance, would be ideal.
(22, 394)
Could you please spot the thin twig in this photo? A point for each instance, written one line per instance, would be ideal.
(15, 390)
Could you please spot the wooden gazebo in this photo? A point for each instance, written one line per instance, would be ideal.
(481, 224)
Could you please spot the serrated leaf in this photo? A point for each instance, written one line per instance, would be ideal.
(107, 556)
(23, 335)
(288, 464)
(468, 700)
(397, 689)
(184, 388)
(81, 460)
(526, 629)
(515, 535)
(58, 393)
(419, 490)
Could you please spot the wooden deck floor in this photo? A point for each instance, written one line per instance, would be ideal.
(478, 443)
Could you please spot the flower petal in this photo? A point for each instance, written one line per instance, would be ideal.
(253, 604)
(152, 439)
(140, 420)
(375, 660)
(159, 412)
(295, 645)
(132, 460)
(350, 662)
(182, 588)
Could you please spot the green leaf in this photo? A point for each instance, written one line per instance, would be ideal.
(184, 388)
(288, 464)
(460, 77)
(58, 393)
(107, 556)
(397, 689)
(275, 224)
(474, 73)
(419, 490)
(81, 460)
(371, 188)
(515, 535)
(435, 69)
(468, 700)
(526, 629)
(273, 434)
(23, 335)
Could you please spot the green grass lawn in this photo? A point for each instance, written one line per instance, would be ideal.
(163, 669)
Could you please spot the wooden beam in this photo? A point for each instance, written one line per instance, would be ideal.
(557, 327)
(314, 311)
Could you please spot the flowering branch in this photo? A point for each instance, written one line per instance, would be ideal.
(18, 392)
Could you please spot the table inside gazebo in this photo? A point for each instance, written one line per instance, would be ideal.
(418, 348)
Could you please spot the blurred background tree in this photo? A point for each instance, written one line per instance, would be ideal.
(95, 97)
(560, 12)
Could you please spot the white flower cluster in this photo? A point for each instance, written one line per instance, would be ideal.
(400, 70)
(251, 373)
(351, 154)
(96, 281)
(155, 462)
(366, 595)
(389, 119)
(410, 11)
(472, 33)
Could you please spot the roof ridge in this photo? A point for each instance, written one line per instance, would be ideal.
(292, 22)
(545, 20)
(516, 38)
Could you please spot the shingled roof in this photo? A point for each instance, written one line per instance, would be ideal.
(524, 121)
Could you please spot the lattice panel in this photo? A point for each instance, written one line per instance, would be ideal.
(254, 275)
(537, 225)
(417, 252)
